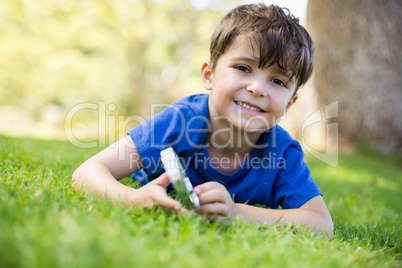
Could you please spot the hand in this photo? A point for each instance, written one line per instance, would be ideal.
(154, 193)
(216, 202)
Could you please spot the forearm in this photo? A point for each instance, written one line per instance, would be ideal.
(309, 218)
(93, 177)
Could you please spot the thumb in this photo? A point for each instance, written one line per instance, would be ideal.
(162, 199)
(163, 181)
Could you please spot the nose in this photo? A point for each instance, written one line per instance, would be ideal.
(257, 88)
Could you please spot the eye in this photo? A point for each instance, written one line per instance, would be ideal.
(279, 82)
(243, 68)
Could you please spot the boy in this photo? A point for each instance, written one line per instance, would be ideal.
(229, 142)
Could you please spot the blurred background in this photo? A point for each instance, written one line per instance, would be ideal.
(89, 70)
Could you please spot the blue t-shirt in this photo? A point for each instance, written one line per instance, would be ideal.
(273, 174)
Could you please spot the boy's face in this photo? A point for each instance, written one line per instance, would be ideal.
(245, 96)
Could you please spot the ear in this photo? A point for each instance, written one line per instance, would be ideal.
(291, 102)
(206, 75)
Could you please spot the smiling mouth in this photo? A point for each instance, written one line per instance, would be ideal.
(245, 105)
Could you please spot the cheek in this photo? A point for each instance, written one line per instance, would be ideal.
(224, 91)
(284, 99)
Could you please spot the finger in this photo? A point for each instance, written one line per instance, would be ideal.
(214, 196)
(167, 202)
(217, 212)
(176, 211)
(184, 211)
(208, 186)
(220, 219)
(217, 209)
(163, 181)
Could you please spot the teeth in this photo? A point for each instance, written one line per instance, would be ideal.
(242, 104)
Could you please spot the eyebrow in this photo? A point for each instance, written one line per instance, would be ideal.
(249, 59)
(256, 60)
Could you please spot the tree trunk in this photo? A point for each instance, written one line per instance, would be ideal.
(358, 63)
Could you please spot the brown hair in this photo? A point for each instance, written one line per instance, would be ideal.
(280, 37)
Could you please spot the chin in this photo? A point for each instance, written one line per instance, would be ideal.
(256, 126)
(251, 129)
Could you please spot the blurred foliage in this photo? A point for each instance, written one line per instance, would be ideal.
(57, 54)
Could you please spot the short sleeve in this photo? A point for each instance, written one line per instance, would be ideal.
(168, 128)
(294, 185)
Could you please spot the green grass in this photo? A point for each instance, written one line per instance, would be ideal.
(45, 223)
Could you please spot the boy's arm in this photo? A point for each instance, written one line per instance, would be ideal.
(313, 214)
(100, 175)
(216, 202)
